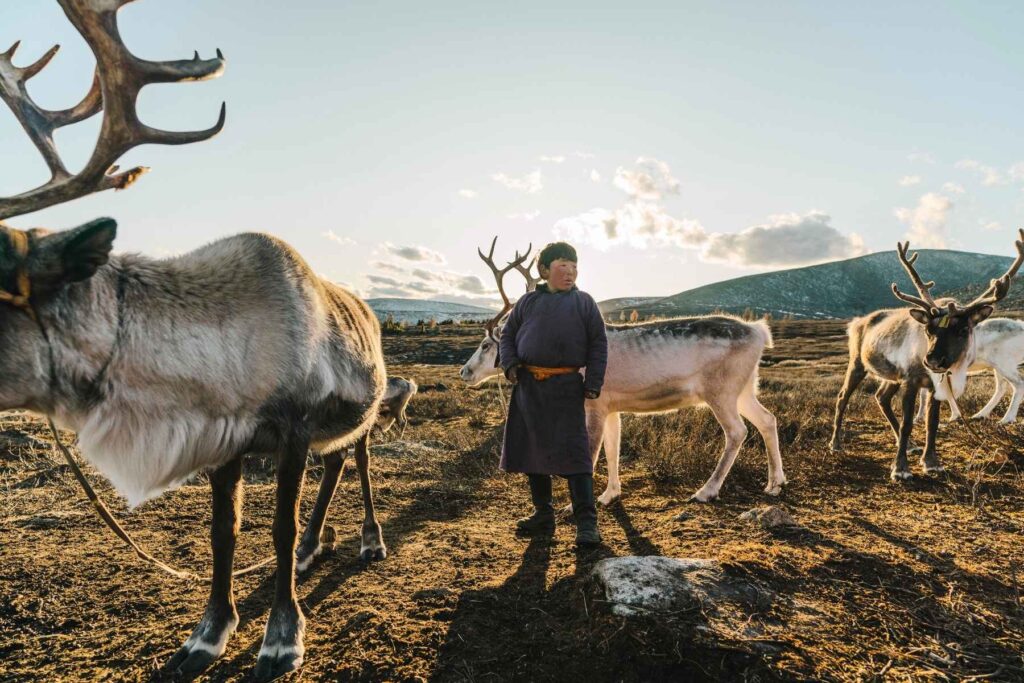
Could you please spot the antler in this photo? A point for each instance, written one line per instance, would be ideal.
(925, 301)
(119, 77)
(526, 271)
(1000, 287)
(499, 275)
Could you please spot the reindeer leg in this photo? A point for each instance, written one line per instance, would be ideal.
(855, 374)
(900, 466)
(1012, 377)
(372, 546)
(930, 460)
(922, 396)
(997, 396)
(311, 544)
(767, 425)
(210, 636)
(729, 418)
(282, 650)
(612, 443)
(883, 397)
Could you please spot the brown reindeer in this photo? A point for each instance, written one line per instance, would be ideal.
(931, 346)
(169, 367)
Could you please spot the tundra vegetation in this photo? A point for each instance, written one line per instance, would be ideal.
(878, 581)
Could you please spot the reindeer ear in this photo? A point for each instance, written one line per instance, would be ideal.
(980, 313)
(920, 316)
(72, 255)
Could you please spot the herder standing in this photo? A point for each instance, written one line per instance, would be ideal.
(551, 334)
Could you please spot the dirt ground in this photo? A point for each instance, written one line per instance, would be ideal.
(880, 581)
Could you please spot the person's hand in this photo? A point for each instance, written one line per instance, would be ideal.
(591, 394)
(511, 374)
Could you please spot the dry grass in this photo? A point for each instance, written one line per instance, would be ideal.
(917, 581)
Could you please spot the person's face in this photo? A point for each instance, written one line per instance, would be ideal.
(560, 275)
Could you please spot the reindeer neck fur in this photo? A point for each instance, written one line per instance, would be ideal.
(892, 346)
(173, 374)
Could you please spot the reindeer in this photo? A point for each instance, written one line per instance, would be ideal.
(169, 367)
(393, 404)
(1000, 345)
(658, 367)
(930, 346)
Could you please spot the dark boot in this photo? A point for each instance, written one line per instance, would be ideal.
(542, 521)
(584, 512)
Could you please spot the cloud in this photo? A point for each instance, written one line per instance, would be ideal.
(994, 226)
(468, 194)
(989, 176)
(595, 176)
(910, 180)
(525, 215)
(953, 188)
(927, 221)
(530, 183)
(1016, 171)
(384, 280)
(440, 282)
(584, 155)
(552, 159)
(376, 292)
(785, 240)
(384, 265)
(641, 221)
(334, 237)
(413, 253)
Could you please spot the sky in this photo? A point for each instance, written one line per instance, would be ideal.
(673, 143)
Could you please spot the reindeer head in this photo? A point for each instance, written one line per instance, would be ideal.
(35, 268)
(948, 326)
(483, 364)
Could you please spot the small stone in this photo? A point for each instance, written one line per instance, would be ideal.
(682, 517)
(769, 517)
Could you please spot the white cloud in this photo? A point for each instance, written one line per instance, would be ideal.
(530, 183)
(557, 159)
(468, 194)
(595, 176)
(413, 253)
(928, 221)
(989, 176)
(953, 188)
(785, 240)
(385, 265)
(584, 155)
(1016, 171)
(524, 215)
(993, 226)
(910, 180)
(334, 237)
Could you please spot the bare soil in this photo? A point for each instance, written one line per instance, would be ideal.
(880, 581)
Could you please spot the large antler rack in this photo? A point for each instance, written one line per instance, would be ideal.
(499, 276)
(925, 300)
(119, 77)
(1000, 287)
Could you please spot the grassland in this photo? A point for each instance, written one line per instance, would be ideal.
(879, 581)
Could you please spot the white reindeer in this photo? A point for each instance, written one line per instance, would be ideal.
(1000, 348)
(659, 367)
(168, 367)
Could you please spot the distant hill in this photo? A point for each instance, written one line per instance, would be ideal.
(413, 310)
(841, 289)
(626, 303)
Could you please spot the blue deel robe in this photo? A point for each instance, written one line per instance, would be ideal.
(546, 430)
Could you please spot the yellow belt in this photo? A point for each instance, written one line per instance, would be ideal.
(540, 374)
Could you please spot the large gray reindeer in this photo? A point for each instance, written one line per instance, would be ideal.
(662, 366)
(168, 367)
(930, 346)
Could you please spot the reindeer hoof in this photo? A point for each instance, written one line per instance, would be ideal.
(901, 475)
(835, 447)
(774, 489)
(915, 449)
(189, 664)
(605, 499)
(269, 668)
(703, 497)
(934, 469)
